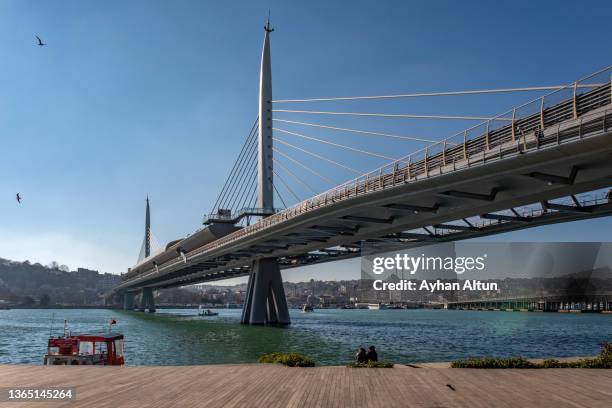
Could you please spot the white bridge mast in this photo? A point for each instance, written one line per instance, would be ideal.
(265, 187)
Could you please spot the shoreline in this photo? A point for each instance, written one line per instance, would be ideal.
(165, 307)
(446, 364)
(431, 364)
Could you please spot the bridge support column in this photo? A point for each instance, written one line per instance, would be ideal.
(128, 301)
(148, 303)
(265, 301)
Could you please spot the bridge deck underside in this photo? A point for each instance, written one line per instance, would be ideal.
(489, 174)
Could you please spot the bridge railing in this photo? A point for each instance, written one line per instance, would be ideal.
(247, 211)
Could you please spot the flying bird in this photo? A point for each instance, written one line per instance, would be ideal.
(18, 198)
(40, 43)
(451, 387)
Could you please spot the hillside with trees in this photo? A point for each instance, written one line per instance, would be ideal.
(32, 284)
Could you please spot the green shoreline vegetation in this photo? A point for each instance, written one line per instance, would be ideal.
(297, 360)
(287, 359)
(604, 360)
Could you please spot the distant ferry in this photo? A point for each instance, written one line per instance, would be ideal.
(376, 306)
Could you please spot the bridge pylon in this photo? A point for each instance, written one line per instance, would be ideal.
(147, 302)
(147, 237)
(128, 301)
(265, 301)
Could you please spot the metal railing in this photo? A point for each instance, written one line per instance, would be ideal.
(530, 213)
(251, 211)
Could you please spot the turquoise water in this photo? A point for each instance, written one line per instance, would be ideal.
(176, 337)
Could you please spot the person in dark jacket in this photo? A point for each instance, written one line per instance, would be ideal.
(371, 354)
(360, 357)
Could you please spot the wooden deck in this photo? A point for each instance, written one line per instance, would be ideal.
(277, 386)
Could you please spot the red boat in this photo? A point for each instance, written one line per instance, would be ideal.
(105, 348)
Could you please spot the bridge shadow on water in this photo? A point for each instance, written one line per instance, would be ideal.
(173, 337)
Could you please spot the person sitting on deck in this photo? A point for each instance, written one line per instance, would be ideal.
(360, 357)
(372, 355)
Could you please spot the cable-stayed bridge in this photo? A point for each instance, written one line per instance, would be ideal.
(545, 161)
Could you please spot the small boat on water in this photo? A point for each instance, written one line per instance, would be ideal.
(307, 308)
(95, 348)
(207, 312)
(376, 306)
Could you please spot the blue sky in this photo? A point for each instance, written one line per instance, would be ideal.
(131, 98)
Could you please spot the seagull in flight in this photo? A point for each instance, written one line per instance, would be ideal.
(18, 198)
(40, 43)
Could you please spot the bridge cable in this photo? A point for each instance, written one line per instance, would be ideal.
(253, 201)
(238, 178)
(279, 195)
(230, 176)
(243, 178)
(244, 146)
(253, 180)
(328, 180)
(393, 115)
(335, 144)
(294, 175)
(253, 195)
(247, 182)
(318, 156)
(447, 93)
(410, 138)
(286, 186)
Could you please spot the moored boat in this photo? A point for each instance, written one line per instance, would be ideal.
(376, 306)
(207, 312)
(95, 348)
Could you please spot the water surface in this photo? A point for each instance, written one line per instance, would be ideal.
(177, 337)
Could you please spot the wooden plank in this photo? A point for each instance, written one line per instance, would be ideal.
(251, 385)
